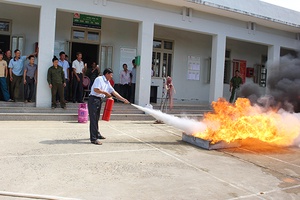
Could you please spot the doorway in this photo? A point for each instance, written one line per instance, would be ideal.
(4, 42)
(90, 52)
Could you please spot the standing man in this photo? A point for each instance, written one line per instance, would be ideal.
(56, 81)
(3, 75)
(30, 77)
(100, 89)
(133, 80)
(235, 83)
(65, 65)
(16, 70)
(78, 70)
(125, 82)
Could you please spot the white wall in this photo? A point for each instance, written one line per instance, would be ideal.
(187, 44)
(25, 22)
(119, 34)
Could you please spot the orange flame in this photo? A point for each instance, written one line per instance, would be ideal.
(240, 121)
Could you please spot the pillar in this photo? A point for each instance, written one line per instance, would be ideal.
(145, 44)
(217, 67)
(273, 60)
(46, 52)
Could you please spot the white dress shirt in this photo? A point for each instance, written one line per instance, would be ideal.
(102, 84)
(65, 65)
(78, 66)
(125, 77)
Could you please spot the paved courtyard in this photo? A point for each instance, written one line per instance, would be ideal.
(138, 160)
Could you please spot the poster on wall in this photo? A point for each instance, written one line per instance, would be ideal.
(193, 72)
(126, 56)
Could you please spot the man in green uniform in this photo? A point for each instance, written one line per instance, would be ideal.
(235, 83)
(56, 81)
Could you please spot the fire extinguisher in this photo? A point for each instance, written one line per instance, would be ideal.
(107, 109)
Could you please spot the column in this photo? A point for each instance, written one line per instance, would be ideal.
(273, 61)
(145, 44)
(217, 67)
(46, 52)
(273, 55)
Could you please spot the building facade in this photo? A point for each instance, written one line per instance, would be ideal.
(198, 43)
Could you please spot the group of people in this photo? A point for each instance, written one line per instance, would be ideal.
(128, 81)
(13, 73)
(66, 79)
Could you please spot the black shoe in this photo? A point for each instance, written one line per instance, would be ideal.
(97, 142)
(74, 101)
(101, 137)
(80, 101)
(63, 107)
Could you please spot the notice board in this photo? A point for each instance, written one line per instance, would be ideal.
(126, 56)
(193, 71)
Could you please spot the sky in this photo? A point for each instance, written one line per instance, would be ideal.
(290, 4)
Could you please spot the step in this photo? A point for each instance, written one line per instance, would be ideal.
(28, 112)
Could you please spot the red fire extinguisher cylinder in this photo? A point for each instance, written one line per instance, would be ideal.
(107, 109)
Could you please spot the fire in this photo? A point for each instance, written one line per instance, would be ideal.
(240, 121)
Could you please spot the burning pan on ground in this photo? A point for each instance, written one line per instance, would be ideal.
(206, 144)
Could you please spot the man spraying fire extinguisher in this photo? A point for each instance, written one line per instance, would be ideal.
(101, 89)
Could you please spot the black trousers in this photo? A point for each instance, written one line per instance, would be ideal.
(15, 85)
(77, 88)
(58, 88)
(132, 93)
(126, 91)
(94, 107)
(29, 88)
(66, 90)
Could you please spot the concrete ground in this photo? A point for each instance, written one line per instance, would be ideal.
(138, 160)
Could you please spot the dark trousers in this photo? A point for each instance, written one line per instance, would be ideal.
(58, 88)
(8, 83)
(15, 86)
(132, 93)
(29, 88)
(126, 91)
(3, 89)
(77, 88)
(94, 107)
(233, 95)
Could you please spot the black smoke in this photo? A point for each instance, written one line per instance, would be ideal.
(283, 86)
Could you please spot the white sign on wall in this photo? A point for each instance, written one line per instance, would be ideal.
(126, 56)
(193, 71)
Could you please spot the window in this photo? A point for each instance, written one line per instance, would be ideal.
(17, 42)
(86, 36)
(157, 44)
(5, 27)
(106, 57)
(78, 35)
(93, 36)
(162, 57)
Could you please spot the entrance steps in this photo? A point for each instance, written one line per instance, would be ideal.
(19, 111)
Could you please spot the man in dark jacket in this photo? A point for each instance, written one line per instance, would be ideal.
(56, 81)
